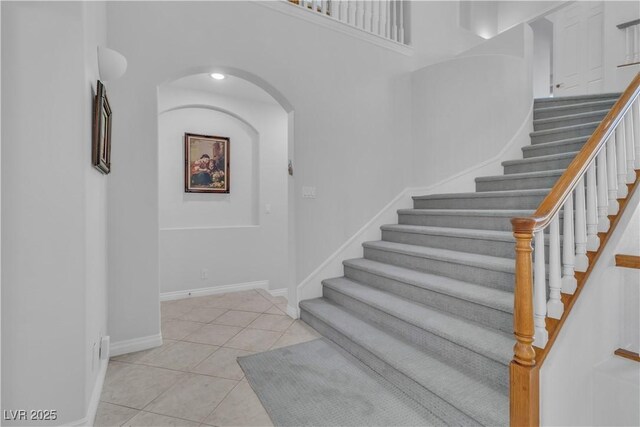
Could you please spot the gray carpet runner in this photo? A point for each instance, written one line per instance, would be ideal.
(430, 306)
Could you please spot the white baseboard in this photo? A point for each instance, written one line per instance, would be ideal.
(283, 292)
(135, 344)
(189, 293)
(92, 408)
(293, 311)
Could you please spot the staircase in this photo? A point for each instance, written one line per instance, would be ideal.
(430, 306)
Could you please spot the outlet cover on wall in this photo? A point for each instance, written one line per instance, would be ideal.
(104, 348)
(204, 274)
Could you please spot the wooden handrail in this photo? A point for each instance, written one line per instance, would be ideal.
(577, 168)
(524, 369)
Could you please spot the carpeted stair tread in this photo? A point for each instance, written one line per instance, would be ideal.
(562, 110)
(471, 292)
(595, 114)
(537, 174)
(468, 212)
(502, 236)
(485, 341)
(485, 403)
(540, 159)
(470, 195)
(564, 129)
(576, 99)
(466, 258)
(554, 144)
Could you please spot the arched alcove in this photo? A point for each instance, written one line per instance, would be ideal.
(210, 242)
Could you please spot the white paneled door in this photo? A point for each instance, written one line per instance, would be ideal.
(578, 49)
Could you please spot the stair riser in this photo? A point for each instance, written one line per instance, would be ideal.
(456, 354)
(541, 114)
(439, 407)
(517, 183)
(538, 166)
(478, 313)
(490, 278)
(564, 134)
(511, 202)
(540, 150)
(458, 221)
(557, 102)
(569, 121)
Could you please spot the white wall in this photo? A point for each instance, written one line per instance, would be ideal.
(53, 201)
(352, 138)
(480, 17)
(466, 110)
(511, 13)
(230, 235)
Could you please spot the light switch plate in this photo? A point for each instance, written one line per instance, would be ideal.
(309, 192)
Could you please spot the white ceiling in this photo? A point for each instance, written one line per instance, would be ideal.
(230, 86)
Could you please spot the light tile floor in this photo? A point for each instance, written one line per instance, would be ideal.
(193, 379)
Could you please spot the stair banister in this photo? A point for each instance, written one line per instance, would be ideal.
(615, 142)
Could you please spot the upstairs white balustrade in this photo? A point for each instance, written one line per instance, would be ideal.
(632, 42)
(384, 18)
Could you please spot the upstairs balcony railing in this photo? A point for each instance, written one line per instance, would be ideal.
(384, 18)
(632, 42)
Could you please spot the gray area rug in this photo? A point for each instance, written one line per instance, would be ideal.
(316, 383)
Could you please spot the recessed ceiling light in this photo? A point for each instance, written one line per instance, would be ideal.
(217, 76)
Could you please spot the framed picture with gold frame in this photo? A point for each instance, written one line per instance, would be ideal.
(101, 144)
(206, 167)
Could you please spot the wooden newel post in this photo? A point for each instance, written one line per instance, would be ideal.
(524, 381)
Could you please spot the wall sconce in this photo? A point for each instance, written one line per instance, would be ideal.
(111, 64)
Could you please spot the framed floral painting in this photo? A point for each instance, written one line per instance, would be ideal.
(206, 168)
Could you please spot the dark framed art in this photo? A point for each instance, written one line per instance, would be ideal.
(206, 164)
(101, 145)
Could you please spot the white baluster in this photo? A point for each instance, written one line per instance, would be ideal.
(629, 33)
(394, 21)
(324, 7)
(555, 308)
(635, 113)
(581, 260)
(612, 178)
(628, 137)
(351, 12)
(375, 20)
(593, 241)
(401, 21)
(603, 202)
(636, 48)
(343, 7)
(541, 336)
(360, 14)
(366, 7)
(621, 161)
(569, 282)
(384, 18)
